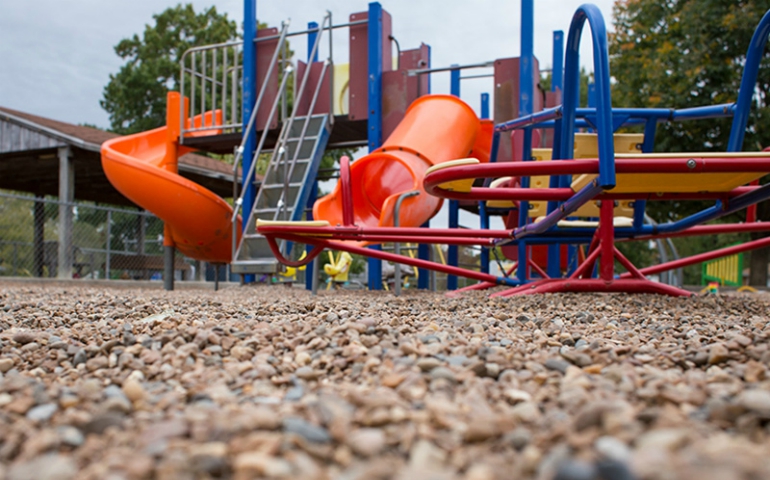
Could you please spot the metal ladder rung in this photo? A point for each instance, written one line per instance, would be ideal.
(301, 139)
(273, 186)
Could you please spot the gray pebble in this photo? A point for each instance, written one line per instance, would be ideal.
(42, 413)
(306, 430)
(556, 364)
(70, 436)
(294, 394)
(443, 372)
(80, 357)
(576, 470)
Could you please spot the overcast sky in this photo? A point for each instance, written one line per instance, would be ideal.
(56, 56)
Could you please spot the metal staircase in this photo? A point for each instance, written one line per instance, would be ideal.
(285, 190)
(291, 170)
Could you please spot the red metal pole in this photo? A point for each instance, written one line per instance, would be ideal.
(606, 241)
(684, 262)
(347, 192)
(390, 257)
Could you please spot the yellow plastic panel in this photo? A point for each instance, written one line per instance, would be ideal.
(587, 146)
(500, 203)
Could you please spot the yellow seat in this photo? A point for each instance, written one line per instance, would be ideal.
(586, 146)
(298, 223)
(500, 203)
(680, 182)
(457, 185)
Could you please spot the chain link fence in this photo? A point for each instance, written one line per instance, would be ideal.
(106, 242)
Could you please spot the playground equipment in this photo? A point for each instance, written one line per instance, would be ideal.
(338, 268)
(436, 149)
(143, 167)
(606, 181)
(435, 129)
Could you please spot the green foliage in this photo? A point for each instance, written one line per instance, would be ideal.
(689, 53)
(135, 97)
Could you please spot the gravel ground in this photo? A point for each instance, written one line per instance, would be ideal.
(271, 382)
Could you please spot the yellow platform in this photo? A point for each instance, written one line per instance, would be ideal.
(679, 182)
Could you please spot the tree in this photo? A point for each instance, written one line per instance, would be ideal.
(688, 53)
(135, 97)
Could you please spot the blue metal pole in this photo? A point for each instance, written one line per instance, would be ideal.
(602, 79)
(423, 250)
(557, 84)
(557, 72)
(453, 254)
(311, 41)
(311, 37)
(249, 100)
(483, 216)
(423, 253)
(485, 106)
(526, 86)
(648, 145)
(526, 92)
(374, 121)
(309, 268)
(754, 55)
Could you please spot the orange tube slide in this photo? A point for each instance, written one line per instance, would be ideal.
(143, 167)
(435, 129)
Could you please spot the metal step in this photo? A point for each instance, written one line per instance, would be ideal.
(278, 201)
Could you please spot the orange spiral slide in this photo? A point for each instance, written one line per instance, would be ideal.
(143, 167)
(435, 129)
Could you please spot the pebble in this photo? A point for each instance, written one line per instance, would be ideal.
(306, 430)
(80, 357)
(756, 401)
(443, 372)
(42, 413)
(307, 373)
(45, 467)
(613, 449)
(366, 441)
(718, 353)
(518, 438)
(429, 363)
(5, 364)
(133, 389)
(576, 470)
(272, 382)
(24, 337)
(70, 436)
(556, 364)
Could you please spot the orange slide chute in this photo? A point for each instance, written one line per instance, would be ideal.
(435, 129)
(143, 167)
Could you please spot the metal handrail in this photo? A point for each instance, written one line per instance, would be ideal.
(258, 103)
(252, 169)
(282, 139)
(304, 128)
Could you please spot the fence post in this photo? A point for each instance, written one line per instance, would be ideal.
(66, 197)
(39, 236)
(109, 238)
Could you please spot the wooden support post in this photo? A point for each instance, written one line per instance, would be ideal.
(66, 198)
